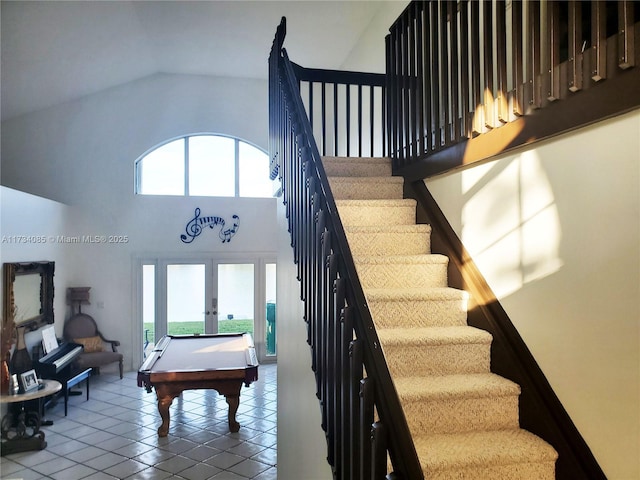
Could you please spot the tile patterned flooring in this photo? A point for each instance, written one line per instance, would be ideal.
(113, 435)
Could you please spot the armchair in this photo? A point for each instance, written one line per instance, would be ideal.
(81, 328)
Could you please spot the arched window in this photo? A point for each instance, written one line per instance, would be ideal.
(204, 165)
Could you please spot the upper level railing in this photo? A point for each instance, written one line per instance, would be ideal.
(470, 79)
(361, 413)
(346, 110)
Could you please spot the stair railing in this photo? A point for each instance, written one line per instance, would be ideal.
(361, 414)
(346, 110)
(469, 80)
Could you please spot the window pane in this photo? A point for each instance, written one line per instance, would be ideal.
(185, 299)
(161, 172)
(254, 172)
(270, 271)
(212, 166)
(148, 308)
(235, 297)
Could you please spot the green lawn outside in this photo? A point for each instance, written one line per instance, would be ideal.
(188, 328)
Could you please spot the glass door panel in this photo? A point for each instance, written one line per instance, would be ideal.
(236, 297)
(186, 299)
(148, 308)
(270, 295)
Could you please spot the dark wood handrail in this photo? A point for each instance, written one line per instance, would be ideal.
(469, 80)
(361, 412)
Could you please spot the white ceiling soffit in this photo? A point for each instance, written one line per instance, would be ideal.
(57, 51)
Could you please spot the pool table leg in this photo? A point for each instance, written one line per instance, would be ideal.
(164, 402)
(166, 392)
(233, 401)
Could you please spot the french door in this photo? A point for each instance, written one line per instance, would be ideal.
(182, 296)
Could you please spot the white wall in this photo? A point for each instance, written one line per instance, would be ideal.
(27, 224)
(299, 421)
(555, 229)
(368, 53)
(82, 152)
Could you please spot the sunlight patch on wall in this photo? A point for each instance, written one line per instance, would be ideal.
(510, 222)
(473, 176)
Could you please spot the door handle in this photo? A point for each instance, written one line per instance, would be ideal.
(214, 306)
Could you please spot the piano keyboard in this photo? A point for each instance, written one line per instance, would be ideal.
(62, 361)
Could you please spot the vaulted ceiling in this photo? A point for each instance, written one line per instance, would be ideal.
(57, 51)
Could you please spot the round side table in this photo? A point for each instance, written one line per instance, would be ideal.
(21, 430)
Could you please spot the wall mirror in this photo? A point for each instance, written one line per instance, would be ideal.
(28, 293)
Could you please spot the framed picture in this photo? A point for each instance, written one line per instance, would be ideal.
(29, 381)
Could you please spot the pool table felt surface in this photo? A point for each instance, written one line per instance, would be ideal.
(202, 353)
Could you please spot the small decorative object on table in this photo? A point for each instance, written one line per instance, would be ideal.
(29, 381)
(14, 386)
(20, 360)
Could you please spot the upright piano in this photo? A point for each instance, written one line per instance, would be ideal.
(56, 364)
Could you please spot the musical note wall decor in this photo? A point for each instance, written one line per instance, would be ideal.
(197, 224)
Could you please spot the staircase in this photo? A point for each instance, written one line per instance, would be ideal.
(463, 419)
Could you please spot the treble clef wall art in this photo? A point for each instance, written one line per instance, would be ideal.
(197, 224)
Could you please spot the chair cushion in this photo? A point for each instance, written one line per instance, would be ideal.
(91, 344)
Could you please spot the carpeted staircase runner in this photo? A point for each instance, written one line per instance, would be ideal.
(464, 419)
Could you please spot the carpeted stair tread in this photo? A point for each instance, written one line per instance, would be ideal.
(477, 385)
(357, 160)
(427, 259)
(357, 166)
(433, 336)
(427, 351)
(402, 271)
(388, 212)
(434, 294)
(409, 239)
(512, 454)
(458, 403)
(368, 180)
(366, 188)
(377, 203)
(417, 307)
(373, 229)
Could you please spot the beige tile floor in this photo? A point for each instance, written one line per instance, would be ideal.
(113, 435)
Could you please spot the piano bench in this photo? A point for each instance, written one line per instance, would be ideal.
(73, 380)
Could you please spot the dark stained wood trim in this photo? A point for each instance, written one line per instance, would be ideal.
(541, 412)
(597, 101)
(611, 98)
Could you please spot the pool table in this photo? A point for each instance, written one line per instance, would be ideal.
(185, 362)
